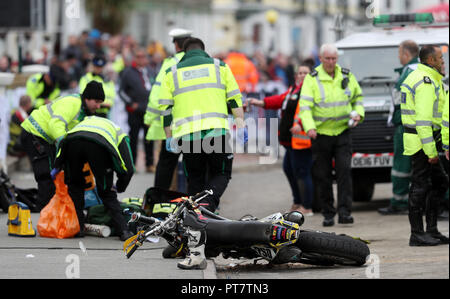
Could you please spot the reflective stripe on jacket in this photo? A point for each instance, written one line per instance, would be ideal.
(52, 121)
(153, 117)
(421, 107)
(104, 132)
(445, 125)
(195, 93)
(326, 102)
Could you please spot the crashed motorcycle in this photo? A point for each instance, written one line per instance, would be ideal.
(276, 238)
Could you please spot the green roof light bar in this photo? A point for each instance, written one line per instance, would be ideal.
(401, 20)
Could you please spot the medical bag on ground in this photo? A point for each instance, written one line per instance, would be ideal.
(19, 220)
(91, 197)
(158, 202)
(58, 219)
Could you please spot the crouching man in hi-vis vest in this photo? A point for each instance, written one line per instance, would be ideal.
(102, 144)
(194, 97)
(421, 108)
(44, 129)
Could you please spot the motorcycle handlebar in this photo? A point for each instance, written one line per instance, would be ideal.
(138, 217)
(202, 194)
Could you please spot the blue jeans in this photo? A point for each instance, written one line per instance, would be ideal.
(297, 166)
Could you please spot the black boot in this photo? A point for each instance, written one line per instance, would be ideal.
(418, 236)
(423, 239)
(437, 235)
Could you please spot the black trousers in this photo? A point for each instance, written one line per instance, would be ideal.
(325, 149)
(208, 170)
(167, 163)
(78, 152)
(136, 123)
(41, 155)
(429, 184)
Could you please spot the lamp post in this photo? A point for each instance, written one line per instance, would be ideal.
(272, 17)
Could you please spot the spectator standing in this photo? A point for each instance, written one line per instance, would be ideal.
(244, 71)
(330, 100)
(135, 86)
(297, 161)
(408, 53)
(422, 102)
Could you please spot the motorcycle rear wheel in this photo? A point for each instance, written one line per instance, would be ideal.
(321, 248)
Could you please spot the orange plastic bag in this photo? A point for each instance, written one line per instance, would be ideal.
(58, 219)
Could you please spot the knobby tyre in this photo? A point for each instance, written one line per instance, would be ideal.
(323, 248)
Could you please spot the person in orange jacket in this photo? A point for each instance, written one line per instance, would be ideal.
(243, 70)
(297, 162)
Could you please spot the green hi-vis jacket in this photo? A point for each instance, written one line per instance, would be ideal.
(421, 107)
(39, 92)
(195, 93)
(153, 116)
(107, 134)
(108, 87)
(326, 102)
(52, 121)
(445, 124)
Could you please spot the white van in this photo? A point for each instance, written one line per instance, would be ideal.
(372, 58)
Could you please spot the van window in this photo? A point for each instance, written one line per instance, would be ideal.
(380, 62)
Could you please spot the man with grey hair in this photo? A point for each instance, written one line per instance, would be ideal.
(330, 104)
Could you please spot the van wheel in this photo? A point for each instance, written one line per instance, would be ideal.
(363, 190)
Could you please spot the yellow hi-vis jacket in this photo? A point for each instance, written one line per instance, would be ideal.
(108, 86)
(326, 102)
(104, 132)
(195, 92)
(153, 116)
(445, 125)
(51, 122)
(421, 105)
(35, 89)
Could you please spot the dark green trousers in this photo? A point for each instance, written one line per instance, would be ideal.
(401, 171)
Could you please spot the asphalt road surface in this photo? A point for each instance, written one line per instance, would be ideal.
(254, 189)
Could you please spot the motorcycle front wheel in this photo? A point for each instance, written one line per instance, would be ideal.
(321, 248)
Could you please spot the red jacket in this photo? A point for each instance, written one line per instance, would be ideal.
(285, 136)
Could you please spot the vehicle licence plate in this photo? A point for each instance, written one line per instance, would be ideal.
(368, 161)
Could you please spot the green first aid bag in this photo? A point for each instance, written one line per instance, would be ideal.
(158, 202)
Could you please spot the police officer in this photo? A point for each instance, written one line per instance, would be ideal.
(101, 143)
(42, 88)
(401, 169)
(445, 128)
(98, 64)
(44, 129)
(167, 161)
(422, 104)
(330, 101)
(194, 97)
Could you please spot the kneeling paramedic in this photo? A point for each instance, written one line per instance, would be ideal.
(44, 129)
(102, 144)
(195, 95)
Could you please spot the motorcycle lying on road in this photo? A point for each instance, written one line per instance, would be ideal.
(276, 238)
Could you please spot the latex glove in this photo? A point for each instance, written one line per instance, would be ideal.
(242, 135)
(171, 145)
(54, 172)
